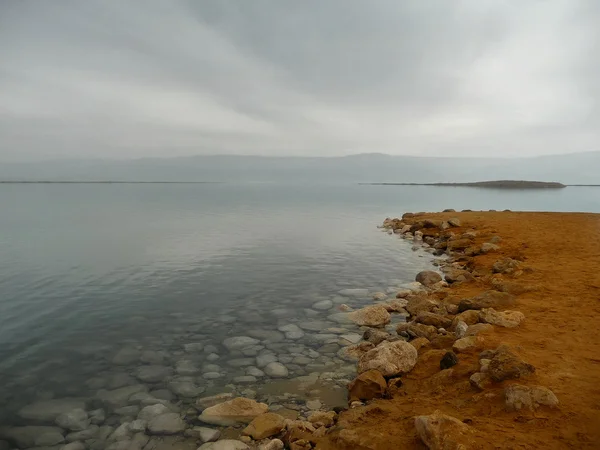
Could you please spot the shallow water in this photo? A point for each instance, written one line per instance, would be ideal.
(97, 281)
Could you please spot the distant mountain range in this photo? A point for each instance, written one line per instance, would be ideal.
(577, 168)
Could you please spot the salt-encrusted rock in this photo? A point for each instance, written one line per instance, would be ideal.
(506, 365)
(372, 316)
(479, 328)
(507, 319)
(429, 318)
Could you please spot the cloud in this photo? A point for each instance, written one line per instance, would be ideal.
(154, 78)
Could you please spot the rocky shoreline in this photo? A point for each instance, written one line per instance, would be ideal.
(432, 357)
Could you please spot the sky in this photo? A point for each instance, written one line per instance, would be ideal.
(159, 78)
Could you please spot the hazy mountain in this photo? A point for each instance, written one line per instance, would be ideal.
(579, 168)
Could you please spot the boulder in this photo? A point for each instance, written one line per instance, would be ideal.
(428, 278)
(233, 412)
(470, 317)
(367, 386)
(468, 344)
(47, 411)
(419, 343)
(507, 319)
(417, 330)
(488, 299)
(418, 303)
(371, 316)
(448, 360)
(389, 358)
(264, 426)
(429, 318)
(506, 365)
(441, 432)
(166, 424)
(454, 222)
(518, 396)
(458, 245)
(454, 275)
(224, 444)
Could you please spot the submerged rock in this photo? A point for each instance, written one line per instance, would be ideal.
(166, 424)
(47, 411)
(153, 374)
(225, 444)
(239, 342)
(75, 420)
(276, 370)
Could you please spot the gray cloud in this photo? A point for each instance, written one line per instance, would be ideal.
(156, 78)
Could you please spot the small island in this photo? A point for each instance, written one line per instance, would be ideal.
(497, 184)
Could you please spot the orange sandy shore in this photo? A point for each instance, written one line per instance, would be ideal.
(560, 337)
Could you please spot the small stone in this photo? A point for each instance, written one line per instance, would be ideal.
(379, 296)
(206, 434)
(186, 367)
(375, 336)
(224, 444)
(84, 435)
(128, 411)
(150, 412)
(126, 356)
(314, 405)
(193, 347)
(419, 343)
(372, 316)
(239, 342)
(274, 444)
(480, 380)
(166, 424)
(264, 426)
(461, 329)
(97, 416)
(46, 411)
(454, 222)
(323, 305)
(506, 365)
(489, 247)
(479, 328)
(137, 426)
(232, 412)
(448, 360)
(49, 439)
(153, 374)
(74, 446)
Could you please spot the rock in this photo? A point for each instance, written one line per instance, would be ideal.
(186, 367)
(276, 370)
(314, 405)
(84, 435)
(327, 419)
(121, 433)
(429, 318)
(354, 292)
(417, 330)
(379, 296)
(239, 342)
(375, 336)
(25, 437)
(396, 306)
(205, 434)
(185, 389)
(166, 424)
(97, 416)
(152, 357)
(74, 446)
(368, 385)
(138, 426)
(461, 329)
(458, 245)
(232, 412)
(389, 358)
(479, 328)
(153, 374)
(193, 347)
(225, 444)
(441, 432)
(265, 359)
(505, 265)
(119, 397)
(480, 380)
(126, 356)
(353, 338)
(518, 396)
(353, 353)
(489, 247)
(506, 365)
(275, 444)
(428, 278)
(207, 402)
(49, 439)
(75, 420)
(417, 304)
(128, 411)
(454, 222)
(470, 317)
(150, 412)
(468, 344)
(292, 331)
(453, 275)
(267, 335)
(323, 305)
(507, 319)
(419, 343)
(371, 316)
(264, 426)
(448, 360)
(488, 299)
(47, 411)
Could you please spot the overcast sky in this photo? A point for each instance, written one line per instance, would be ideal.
(97, 78)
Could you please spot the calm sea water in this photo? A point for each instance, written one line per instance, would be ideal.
(88, 270)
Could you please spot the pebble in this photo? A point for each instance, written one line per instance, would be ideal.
(276, 370)
(323, 305)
